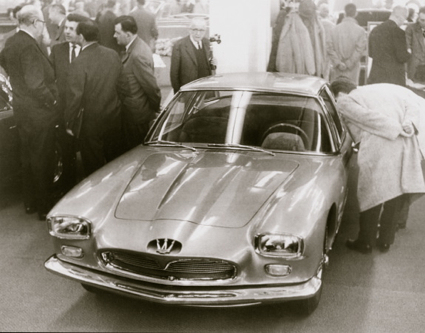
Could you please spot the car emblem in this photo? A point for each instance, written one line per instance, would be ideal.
(164, 245)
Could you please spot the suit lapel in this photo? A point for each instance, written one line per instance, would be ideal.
(130, 49)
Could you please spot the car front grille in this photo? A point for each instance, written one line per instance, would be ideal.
(169, 268)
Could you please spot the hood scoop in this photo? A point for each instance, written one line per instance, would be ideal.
(209, 188)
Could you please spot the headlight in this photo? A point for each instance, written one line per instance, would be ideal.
(69, 227)
(283, 246)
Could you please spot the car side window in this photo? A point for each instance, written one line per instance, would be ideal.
(332, 111)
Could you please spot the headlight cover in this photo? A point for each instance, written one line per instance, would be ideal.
(280, 246)
(69, 227)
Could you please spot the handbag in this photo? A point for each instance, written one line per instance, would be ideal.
(77, 124)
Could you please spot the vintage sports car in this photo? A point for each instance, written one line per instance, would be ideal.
(235, 198)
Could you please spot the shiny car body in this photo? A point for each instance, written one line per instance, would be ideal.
(235, 198)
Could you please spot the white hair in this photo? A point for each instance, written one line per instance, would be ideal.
(198, 21)
(28, 14)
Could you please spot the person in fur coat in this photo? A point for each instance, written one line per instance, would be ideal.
(302, 43)
(386, 120)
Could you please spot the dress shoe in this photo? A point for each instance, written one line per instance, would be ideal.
(384, 247)
(30, 210)
(358, 246)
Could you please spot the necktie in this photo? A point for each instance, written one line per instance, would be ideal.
(73, 53)
(199, 46)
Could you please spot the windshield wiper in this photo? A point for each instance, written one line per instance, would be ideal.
(235, 145)
(170, 143)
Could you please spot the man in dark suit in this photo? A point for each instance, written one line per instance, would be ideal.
(34, 102)
(57, 15)
(106, 23)
(416, 44)
(190, 59)
(93, 85)
(388, 48)
(146, 24)
(142, 96)
(61, 57)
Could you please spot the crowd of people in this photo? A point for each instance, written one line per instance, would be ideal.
(383, 117)
(85, 81)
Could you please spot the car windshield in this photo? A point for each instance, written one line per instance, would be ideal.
(265, 120)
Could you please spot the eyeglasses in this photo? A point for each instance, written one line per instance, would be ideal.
(198, 30)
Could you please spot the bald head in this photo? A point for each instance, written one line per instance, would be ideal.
(399, 15)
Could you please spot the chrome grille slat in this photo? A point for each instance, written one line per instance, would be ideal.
(183, 268)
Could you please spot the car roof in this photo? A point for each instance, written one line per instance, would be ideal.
(263, 81)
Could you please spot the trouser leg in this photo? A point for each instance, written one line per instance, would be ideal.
(92, 156)
(400, 216)
(28, 185)
(67, 144)
(388, 226)
(37, 155)
(369, 225)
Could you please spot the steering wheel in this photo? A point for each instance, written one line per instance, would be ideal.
(272, 129)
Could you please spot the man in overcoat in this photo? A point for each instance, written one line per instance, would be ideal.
(93, 86)
(141, 96)
(34, 103)
(190, 58)
(386, 120)
(146, 24)
(347, 44)
(388, 49)
(415, 36)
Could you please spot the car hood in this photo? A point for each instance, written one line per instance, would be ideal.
(221, 189)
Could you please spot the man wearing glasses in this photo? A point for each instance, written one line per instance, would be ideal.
(34, 103)
(191, 56)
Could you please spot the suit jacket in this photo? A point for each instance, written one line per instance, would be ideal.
(184, 66)
(388, 49)
(92, 84)
(106, 23)
(32, 79)
(146, 26)
(415, 42)
(59, 57)
(142, 96)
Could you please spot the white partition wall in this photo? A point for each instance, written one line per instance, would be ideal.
(244, 27)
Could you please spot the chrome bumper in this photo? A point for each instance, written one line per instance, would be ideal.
(168, 295)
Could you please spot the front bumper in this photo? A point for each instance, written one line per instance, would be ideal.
(228, 296)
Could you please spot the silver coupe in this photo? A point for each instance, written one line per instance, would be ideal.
(235, 198)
